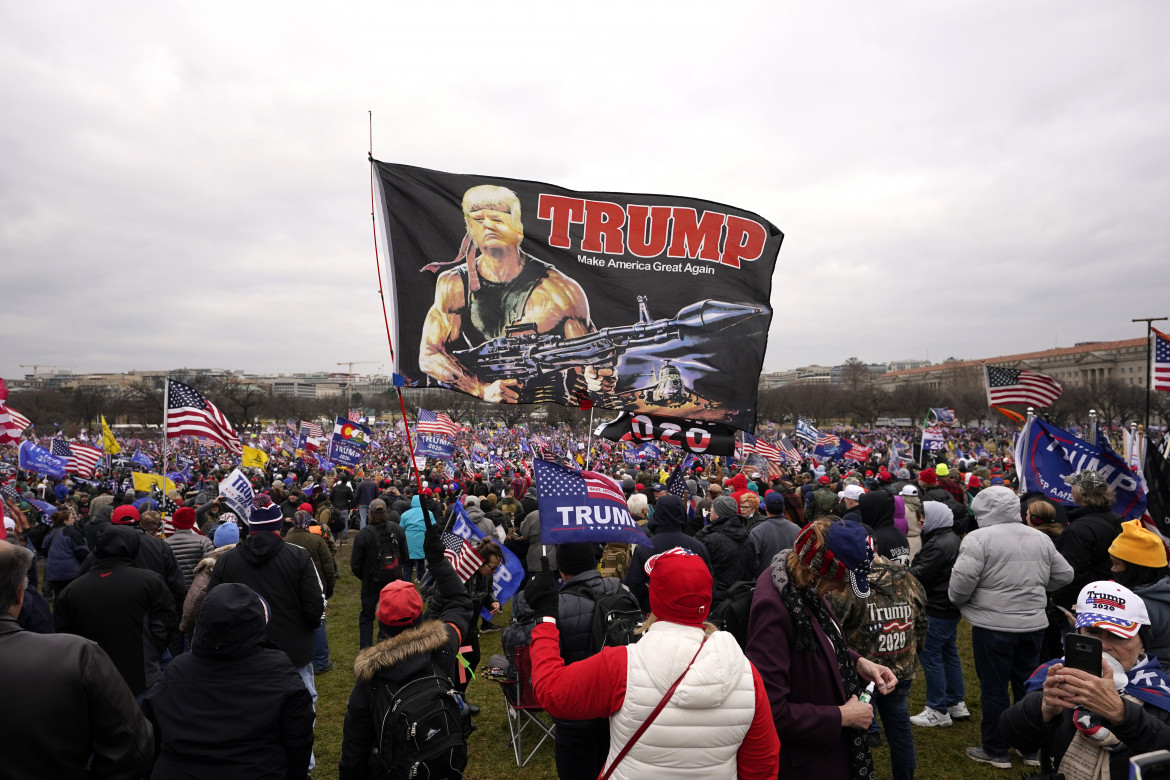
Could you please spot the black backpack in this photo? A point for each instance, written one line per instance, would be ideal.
(616, 617)
(421, 729)
(731, 614)
(385, 565)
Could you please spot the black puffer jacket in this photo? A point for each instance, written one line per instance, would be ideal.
(877, 511)
(732, 558)
(575, 612)
(285, 576)
(1085, 545)
(254, 714)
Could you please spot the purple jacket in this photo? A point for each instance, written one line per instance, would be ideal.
(804, 689)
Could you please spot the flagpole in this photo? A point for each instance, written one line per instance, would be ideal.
(589, 446)
(1149, 358)
(166, 404)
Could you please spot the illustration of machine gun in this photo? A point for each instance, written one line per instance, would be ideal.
(524, 354)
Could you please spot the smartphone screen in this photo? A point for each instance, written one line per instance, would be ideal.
(1150, 766)
(1083, 652)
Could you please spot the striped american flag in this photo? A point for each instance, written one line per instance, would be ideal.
(828, 440)
(312, 430)
(462, 555)
(12, 424)
(1020, 386)
(80, 459)
(436, 423)
(1161, 369)
(753, 444)
(190, 414)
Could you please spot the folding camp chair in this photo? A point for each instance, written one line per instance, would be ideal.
(523, 710)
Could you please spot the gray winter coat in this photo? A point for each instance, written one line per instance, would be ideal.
(189, 548)
(1005, 568)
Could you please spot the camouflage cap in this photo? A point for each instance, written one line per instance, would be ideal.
(1089, 481)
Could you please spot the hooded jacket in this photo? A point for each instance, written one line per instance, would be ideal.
(198, 589)
(233, 706)
(1004, 568)
(1157, 600)
(415, 527)
(732, 558)
(71, 716)
(666, 526)
(284, 575)
(877, 511)
(1085, 545)
(153, 555)
(934, 562)
(126, 610)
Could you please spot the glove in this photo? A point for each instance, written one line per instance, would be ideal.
(541, 593)
(433, 544)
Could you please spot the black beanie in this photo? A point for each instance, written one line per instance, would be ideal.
(576, 558)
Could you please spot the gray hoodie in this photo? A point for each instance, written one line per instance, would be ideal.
(1005, 568)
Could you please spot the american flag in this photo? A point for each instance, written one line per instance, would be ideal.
(558, 481)
(1161, 368)
(12, 424)
(190, 414)
(828, 440)
(752, 444)
(789, 449)
(1020, 386)
(80, 459)
(436, 423)
(462, 555)
(312, 430)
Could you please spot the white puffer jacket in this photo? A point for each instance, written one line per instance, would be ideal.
(697, 734)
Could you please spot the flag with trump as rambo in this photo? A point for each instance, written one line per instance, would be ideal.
(522, 292)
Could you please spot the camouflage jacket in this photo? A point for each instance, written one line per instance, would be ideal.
(888, 626)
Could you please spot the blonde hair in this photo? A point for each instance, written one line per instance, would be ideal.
(800, 574)
(708, 627)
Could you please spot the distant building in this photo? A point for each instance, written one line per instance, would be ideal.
(1084, 365)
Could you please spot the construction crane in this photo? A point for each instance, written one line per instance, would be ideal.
(36, 367)
(352, 363)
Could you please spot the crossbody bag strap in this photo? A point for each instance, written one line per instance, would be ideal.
(646, 723)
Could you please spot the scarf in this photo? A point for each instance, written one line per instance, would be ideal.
(800, 602)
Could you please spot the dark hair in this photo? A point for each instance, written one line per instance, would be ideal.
(1136, 576)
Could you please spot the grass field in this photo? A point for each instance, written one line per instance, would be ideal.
(940, 751)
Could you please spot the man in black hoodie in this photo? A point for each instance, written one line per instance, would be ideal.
(285, 577)
(877, 513)
(666, 533)
(231, 707)
(125, 609)
(726, 540)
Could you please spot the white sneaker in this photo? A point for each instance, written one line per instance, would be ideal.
(959, 711)
(930, 718)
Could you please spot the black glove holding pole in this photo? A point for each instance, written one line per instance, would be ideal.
(433, 547)
(542, 593)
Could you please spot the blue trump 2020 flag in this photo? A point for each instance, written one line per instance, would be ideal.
(432, 446)
(142, 460)
(509, 577)
(582, 506)
(38, 459)
(1047, 454)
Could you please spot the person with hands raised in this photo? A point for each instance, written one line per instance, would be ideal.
(1089, 725)
(683, 698)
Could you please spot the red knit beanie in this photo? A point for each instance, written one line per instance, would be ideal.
(183, 518)
(680, 587)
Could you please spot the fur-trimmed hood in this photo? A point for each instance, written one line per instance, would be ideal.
(208, 563)
(415, 643)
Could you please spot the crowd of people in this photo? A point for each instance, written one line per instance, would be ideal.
(782, 618)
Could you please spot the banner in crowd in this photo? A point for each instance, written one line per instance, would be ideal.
(642, 454)
(933, 439)
(582, 506)
(697, 436)
(144, 482)
(347, 445)
(524, 292)
(109, 443)
(139, 458)
(236, 492)
(1045, 455)
(253, 458)
(509, 577)
(38, 459)
(427, 445)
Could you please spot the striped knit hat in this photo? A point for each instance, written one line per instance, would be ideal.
(846, 553)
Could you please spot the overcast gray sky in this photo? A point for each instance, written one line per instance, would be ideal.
(186, 184)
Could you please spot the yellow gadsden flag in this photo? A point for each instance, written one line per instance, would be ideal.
(253, 457)
(144, 482)
(109, 443)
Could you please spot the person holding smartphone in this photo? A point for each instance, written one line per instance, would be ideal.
(1088, 723)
